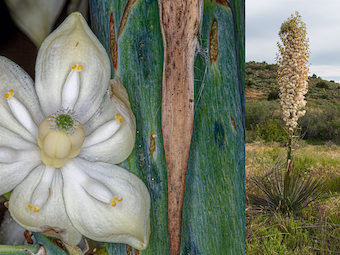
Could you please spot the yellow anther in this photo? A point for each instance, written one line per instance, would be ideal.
(113, 203)
(119, 118)
(9, 94)
(77, 67)
(115, 200)
(34, 208)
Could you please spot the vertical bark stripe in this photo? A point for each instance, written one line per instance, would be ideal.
(213, 44)
(113, 42)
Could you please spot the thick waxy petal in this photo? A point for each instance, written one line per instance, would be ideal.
(51, 217)
(119, 145)
(124, 219)
(13, 171)
(14, 79)
(72, 43)
(35, 17)
(15, 141)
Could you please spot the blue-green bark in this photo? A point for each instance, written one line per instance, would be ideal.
(214, 203)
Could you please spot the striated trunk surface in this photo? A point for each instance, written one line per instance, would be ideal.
(199, 91)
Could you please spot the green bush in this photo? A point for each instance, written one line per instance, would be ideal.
(258, 113)
(322, 85)
(249, 82)
(273, 130)
(273, 95)
(322, 125)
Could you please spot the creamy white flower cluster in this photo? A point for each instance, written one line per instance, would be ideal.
(293, 69)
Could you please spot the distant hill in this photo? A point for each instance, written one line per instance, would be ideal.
(261, 83)
(263, 114)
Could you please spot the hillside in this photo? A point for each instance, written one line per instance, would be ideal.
(263, 115)
(262, 77)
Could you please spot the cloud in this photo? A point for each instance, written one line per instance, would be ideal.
(326, 71)
(264, 18)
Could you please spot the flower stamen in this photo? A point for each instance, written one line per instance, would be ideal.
(71, 87)
(115, 200)
(9, 94)
(104, 132)
(21, 113)
(119, 118)
(33, 208)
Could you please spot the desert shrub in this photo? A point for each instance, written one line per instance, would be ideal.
(259, 112)
(249, 82)
(272, 130)
(322, 125)
(322, 85)
(273, 95)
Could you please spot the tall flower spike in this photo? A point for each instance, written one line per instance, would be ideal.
(21, 113)
(104, 132)
(71, 88)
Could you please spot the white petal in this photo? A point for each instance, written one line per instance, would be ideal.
(119, 146)
(51, 216)
(10, 155)
(13, 77)
(35, 17)
(22, 115)
(15, 141)
(11, 174)
(72, 43)
(127, 222)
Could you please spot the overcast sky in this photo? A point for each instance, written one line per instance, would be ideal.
(322, 18)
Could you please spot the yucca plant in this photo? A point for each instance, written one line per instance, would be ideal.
(285, 192)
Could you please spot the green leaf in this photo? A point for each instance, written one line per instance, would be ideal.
(50, 245)
(19, 249)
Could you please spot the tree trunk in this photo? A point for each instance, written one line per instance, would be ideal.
(213, 218)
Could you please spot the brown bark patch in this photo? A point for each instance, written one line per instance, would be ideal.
(213, 44)
(113, 42)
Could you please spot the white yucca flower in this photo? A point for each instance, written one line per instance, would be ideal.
(60, 139)
(293, 69)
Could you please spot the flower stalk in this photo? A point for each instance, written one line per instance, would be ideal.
(293, 71)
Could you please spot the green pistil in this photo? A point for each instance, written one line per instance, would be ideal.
(64, 122)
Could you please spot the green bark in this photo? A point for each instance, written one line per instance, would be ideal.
(214, 203)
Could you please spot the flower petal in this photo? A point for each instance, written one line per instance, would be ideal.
(12, 77)
(72, 43)
(12, 173)
(15, 141)
(51, 217)
(124, 219)
(118, 146)
(35, 17)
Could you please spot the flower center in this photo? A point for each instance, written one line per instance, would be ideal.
(60, 138)
(64, 121)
